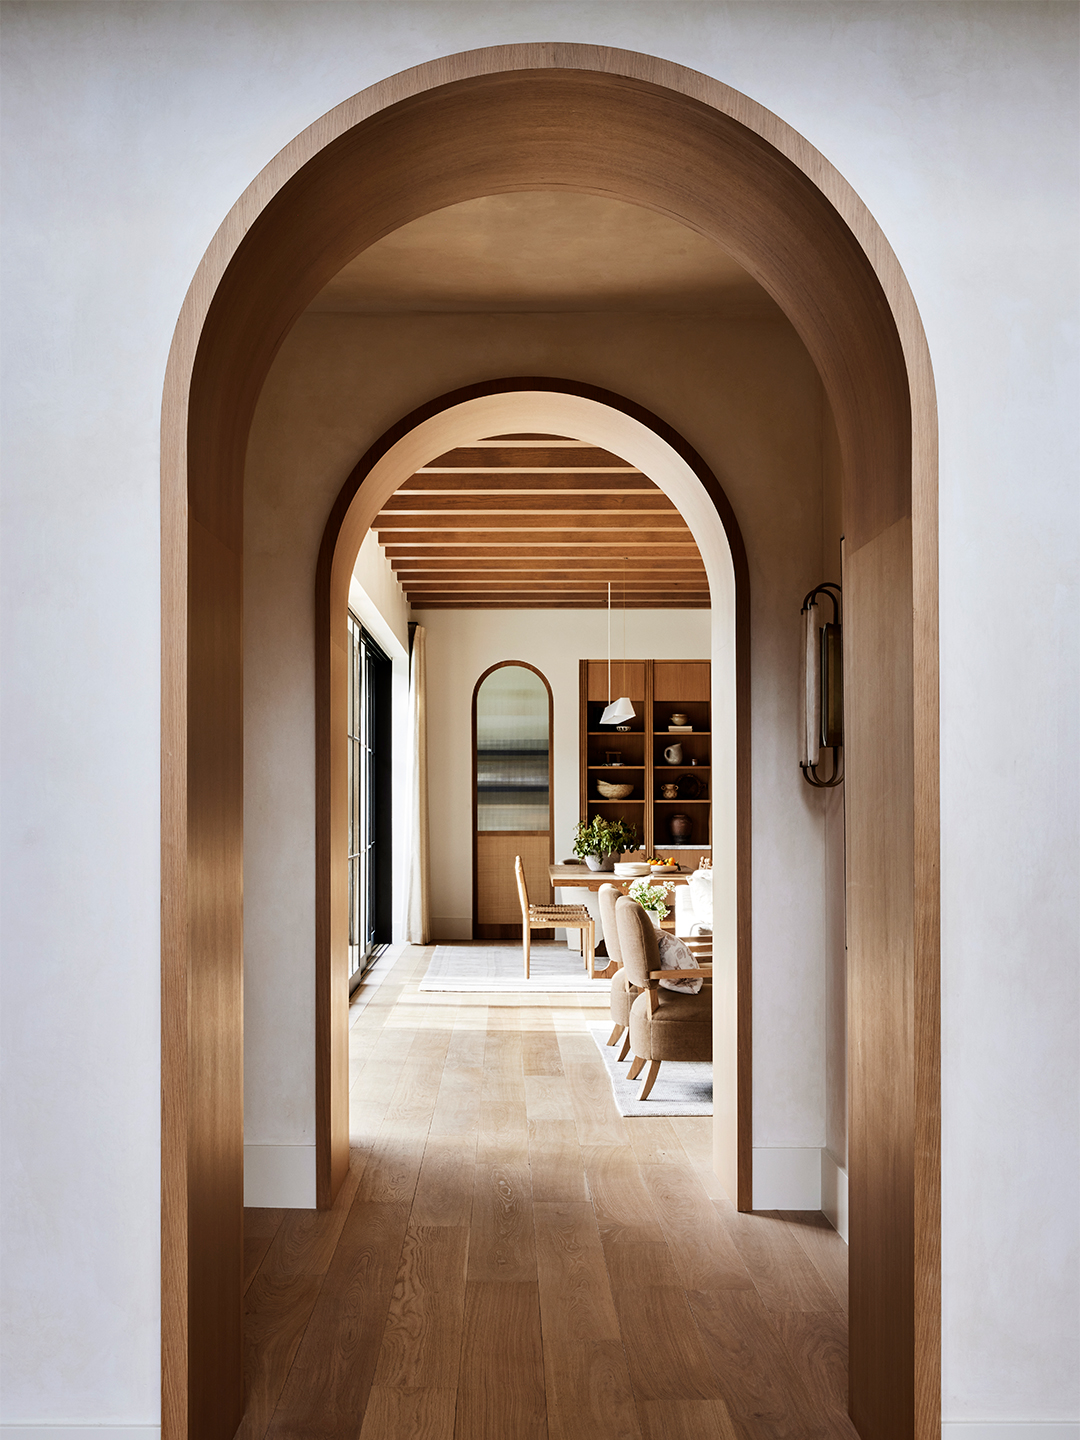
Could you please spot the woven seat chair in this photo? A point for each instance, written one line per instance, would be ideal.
(623, 994)
(547, 917)
(664, 1024)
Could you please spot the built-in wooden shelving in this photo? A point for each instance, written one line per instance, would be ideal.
(658, 689)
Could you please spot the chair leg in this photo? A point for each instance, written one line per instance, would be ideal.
(588, 935)
(526, 937)
(635, 1068)
(615, 1034)
(625, 1046)
(654, 1069)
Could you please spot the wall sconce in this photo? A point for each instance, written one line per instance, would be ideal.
(823, 687)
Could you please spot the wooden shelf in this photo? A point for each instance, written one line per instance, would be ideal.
(669, 687)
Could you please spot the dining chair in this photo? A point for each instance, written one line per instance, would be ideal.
(623, 994)
(547, 917)
(664, 1024)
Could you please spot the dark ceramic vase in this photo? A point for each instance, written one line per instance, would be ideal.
(680, 827)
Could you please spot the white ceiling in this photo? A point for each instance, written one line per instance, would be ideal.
(545, 251)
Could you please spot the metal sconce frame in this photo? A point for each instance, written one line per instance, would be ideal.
(831, 681)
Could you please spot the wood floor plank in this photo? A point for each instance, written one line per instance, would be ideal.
(420, 1344)
(700, 1243)
(501, 1387)
(540, 1053)
(260, 1227)
(818, 1344)
(655, 1142)
(640, 1266)
(327, 1390)
(590, 1396)
(575, 1294)
(444, 1191)
(276, 1312)
(558, 1171)
(827, 1250)
(686, 1420)
(409, 1414)
(595, 1114)
(501, 1240)
(547, 1097)
(624, 1208)
(759, 1381)
(664, 1350)
(782, 1272)
(306, 1239)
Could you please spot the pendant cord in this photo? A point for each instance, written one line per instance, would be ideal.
(609, 642)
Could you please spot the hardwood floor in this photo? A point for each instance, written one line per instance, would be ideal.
(510, 1259)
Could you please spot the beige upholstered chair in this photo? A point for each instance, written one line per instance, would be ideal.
(623, 994)
(664, 1024)
(547, 917)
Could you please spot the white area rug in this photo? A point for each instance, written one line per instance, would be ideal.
(494, 968)
(683, 1087)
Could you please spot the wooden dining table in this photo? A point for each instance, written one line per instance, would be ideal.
(582, 878)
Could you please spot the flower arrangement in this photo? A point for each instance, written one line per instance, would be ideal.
(602, 837)
(652, 897)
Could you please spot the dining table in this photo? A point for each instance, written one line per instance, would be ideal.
(567, 876)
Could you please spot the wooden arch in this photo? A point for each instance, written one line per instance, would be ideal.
(653, 134)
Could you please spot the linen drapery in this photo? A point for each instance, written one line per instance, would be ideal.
(417, 915)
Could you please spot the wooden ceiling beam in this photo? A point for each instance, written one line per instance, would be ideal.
(528, 457)
(553, 605)
(481, 482)
(521, 563)
(567, 552)
(517, 504)
(605, 528)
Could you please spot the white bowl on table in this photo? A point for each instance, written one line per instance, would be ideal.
(631, 869)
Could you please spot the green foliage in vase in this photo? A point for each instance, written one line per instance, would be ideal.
(603, 837)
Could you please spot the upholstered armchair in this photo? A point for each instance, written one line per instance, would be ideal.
(664, 1024)
(623, 994)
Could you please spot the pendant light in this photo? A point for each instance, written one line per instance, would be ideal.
(621, 710)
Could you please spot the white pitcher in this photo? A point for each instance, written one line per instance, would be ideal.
(673, 754)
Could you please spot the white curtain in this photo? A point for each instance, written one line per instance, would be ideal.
(417, 918)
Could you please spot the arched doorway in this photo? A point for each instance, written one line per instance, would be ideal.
(668, 139)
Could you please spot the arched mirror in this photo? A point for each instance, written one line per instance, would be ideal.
(512, 794)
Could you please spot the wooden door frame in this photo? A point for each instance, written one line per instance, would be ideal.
(501, 665)
(653, 133)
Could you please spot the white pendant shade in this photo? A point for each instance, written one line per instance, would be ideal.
(618, 711)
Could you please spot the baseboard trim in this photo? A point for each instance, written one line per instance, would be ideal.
(1010, 1430)
(787, 1178)
(279, 1177)
(89, 1431)
(834, 1195)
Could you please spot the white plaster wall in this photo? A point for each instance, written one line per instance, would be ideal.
(129, 131)
(462, 644)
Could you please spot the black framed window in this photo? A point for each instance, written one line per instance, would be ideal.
(370, 800)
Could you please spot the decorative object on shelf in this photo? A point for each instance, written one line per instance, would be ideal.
(631, 869)
(823, 685)
(680, 826)
(612, 757)
(608, 791)
(598, 841)
(678, 718)
(670, 792)
(690, 787)
(673, 754)
(622, 727)
(651, 898)
(621, 709)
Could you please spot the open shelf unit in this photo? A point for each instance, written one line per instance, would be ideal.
(658, 689)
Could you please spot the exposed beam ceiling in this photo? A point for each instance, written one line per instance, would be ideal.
(542, 523)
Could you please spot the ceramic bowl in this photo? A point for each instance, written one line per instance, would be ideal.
(632, 869)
